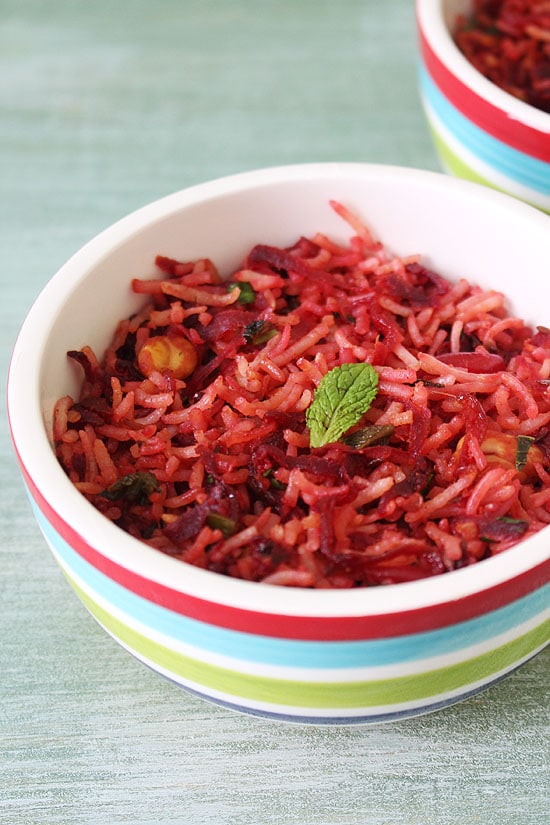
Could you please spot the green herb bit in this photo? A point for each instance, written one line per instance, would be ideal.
(341, 399)
(273, 482)
(218, 522)
(246, 293)
(368, 436)
(428, 485)
(258, 332)
(523, 446)
(134, 488)
(504, 527)
(350, 319)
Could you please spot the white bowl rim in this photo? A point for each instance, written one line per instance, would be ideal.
(432, 24)
(25, 416)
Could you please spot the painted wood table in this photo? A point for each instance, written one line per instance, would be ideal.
(105, 106)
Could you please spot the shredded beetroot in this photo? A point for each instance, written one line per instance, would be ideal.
(474, 361)
(508, 41)
(449, 465)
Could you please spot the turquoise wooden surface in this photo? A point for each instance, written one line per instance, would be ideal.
(105, 106)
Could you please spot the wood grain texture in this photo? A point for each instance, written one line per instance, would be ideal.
(103, 107)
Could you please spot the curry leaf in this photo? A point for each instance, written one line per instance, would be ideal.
(342, 397)
(367, 436)
(258, 332)
(523, 447)
(216, 521)
(134, 488)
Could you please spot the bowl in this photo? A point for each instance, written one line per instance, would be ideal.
(309, 656)
(480, 131)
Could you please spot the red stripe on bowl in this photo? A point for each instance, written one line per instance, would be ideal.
(309, 628)
(490, 118)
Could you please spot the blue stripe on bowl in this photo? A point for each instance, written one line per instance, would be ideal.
(290, 652)
(524, 169)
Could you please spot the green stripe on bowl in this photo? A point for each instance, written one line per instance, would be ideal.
(456, 166)
(309, 694)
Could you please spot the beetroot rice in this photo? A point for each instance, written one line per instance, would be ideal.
(206, 456)
(508, 41)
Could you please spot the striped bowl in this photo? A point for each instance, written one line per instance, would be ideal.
(331, 657)
(480, 132)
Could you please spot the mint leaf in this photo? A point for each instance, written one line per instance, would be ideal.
(342, 397)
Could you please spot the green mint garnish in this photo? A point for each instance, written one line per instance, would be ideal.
(341, 399)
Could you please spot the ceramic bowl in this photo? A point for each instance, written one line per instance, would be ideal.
(480, 131)
(332, 657)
